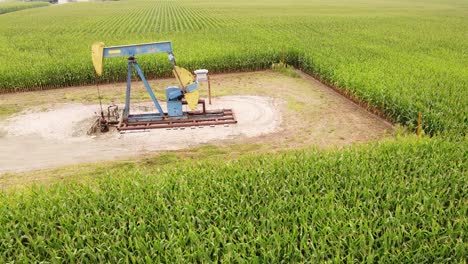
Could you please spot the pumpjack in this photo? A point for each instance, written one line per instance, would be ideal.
(176, 96)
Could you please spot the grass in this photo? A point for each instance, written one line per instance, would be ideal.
(8, 110)
(285, 69)
(295, 105)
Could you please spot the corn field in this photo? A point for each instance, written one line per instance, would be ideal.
(384, 58)
(11, 6)
(348, 206)
(397, 201)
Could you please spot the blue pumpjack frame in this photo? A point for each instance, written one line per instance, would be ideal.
(132, 62)
(130, 51)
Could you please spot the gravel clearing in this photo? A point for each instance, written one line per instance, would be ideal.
(34, 140)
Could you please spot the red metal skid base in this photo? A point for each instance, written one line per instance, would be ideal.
(201, 118)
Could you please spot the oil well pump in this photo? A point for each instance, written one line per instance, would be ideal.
(187, 93)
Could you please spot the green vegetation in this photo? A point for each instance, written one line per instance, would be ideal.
(285, 69)
(400, 57)
(10, 6)
(352, 205)
(400, 201)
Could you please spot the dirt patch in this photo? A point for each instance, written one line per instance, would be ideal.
(274, 111)
(58, 136)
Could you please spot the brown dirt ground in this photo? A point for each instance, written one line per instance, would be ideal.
(311, 113)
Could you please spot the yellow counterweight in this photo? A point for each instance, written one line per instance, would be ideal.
(185, 79)
(192, 99)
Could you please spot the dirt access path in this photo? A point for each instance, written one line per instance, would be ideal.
(48, 129)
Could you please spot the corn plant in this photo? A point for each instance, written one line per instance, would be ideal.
(356, 205)
(383, 58)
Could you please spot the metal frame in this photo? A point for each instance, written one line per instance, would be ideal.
(190, 119)
(132, 62)
(130, 51)
(160, 119)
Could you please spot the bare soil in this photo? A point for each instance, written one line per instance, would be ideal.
(273, 109)
(58, 136)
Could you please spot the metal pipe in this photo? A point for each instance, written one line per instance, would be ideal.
(126, 110)
(209, 90)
